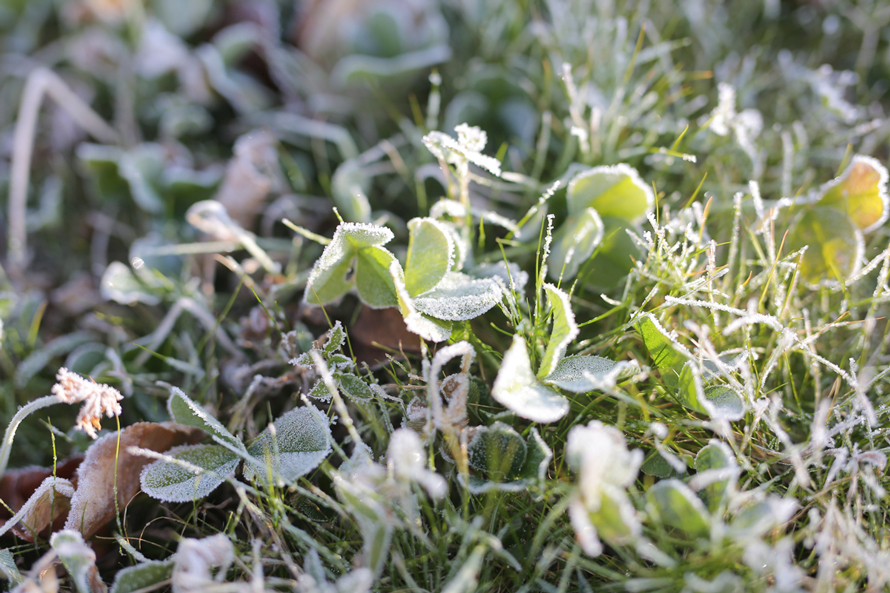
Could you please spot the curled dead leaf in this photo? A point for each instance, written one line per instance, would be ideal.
(93, 504)
(378, 331)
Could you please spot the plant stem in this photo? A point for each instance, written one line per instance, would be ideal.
(24, 412)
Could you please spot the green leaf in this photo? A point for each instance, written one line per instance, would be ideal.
(615, 256)
(584, 373)
(354, 387)
(78, 558)
(459, 297)
(718, 458)
(564, 329)
(615, 520)
(302, 441)
(660, 346)
(537, 457)
(759, 518)
(373, 280)
(723, 401)
(656, 465)
(498, 451)
(330, 278)
(169, 482)
(518, 390)
(8, 568)
(185, 411)
(430, 255)
(426, 327)
(574, 243)
(861, 192)
(615, 191)
(835, 245)
(676, 506)
(141, 576)
(121, 285)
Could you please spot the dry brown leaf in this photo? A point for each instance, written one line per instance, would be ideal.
(17, 485)
(378, 331)
(93, 505)
(50, 501)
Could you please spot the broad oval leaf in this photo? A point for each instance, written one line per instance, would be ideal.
(170, 482)
(713, 462)
(660, 346)
(120, 285)
(426, 327)
(656, 465)
(498, 451)
(302, 441)
(615, 256)
(835, 245)
(330, 278)
(583, 373)
(517, 388)
(728, 403)
(564, 329)
(614, 191)
(677, 507)
(574, 243)
(861, 192)
(354, 387)
(430, 255)
(373, 280)
(759, 518)
(459, 297)
(141, 576)
(537, 457)
(185, 411)
(616, 519)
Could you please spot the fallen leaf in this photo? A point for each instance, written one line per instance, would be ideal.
(17, 485)
(93, 504)
(378, 330)
(50, 501)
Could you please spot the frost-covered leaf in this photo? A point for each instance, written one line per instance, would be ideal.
(834, 245)
(615, 519)
(574, 243)
(614, 191)
(121, 285)
(497, 451)
(170, 482)
(354, 387)
(564, 329)
(583, 373)
(861, 192)
(8, 568)
(430, 255)
(49, 501)
(660, 347)
(336, 339)
(537, 457)
(141, 576)
(517, 388)
(616, 254)
(717, 458)
(721, 401)
(331, 276)
(79, 560)
(301, 442)
(459, 297)
(757, 519)
(372, 278)
(426, 327)
(676, 506)
(185, 411)
(656, 465)
(464, 150)
(110, 467)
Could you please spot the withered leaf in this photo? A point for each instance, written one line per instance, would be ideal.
(50, 501)
(93, 505)
(377, 331)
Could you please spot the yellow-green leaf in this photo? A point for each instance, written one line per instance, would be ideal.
(861, 192)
